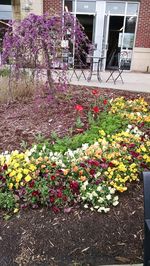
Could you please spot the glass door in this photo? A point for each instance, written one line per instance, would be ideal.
(122, 27)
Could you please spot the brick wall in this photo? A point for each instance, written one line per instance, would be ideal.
(52, 6)
(143, 27)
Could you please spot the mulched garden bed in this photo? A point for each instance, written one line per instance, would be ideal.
(81, 237)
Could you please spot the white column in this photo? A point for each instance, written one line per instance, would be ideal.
(99, 26)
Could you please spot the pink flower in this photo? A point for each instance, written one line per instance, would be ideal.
(79, 107)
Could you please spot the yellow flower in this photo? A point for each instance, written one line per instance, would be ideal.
(143, 148)
(122, 168)
(13, 173)
(25, 171)
(28, 178)
(102, 132)
(133, 165)
(11, 186)
(18, 177)
(32, 167)
(16, 210)
(16, 165)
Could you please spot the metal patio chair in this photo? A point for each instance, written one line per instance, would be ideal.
(78, 69)
(118, 68)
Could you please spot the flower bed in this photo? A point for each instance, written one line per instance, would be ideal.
(92, 168)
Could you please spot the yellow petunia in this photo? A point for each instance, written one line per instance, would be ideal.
(28, 178)
(13, 173)
(25, 171)
(10, 186)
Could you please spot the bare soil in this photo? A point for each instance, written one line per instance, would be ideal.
(82, 237)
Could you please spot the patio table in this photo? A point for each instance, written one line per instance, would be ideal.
(95, 60)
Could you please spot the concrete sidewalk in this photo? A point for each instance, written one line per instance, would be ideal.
(138, 82)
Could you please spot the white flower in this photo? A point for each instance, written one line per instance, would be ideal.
(129, 126)
(99, 188)
(108, 197)
(101, 209)
(106, 210)
(97, 174)
(115, 203)
(86, 206)
(100, 200)
(115, 198)
(92, 209)
(94, 194)
(112, 190)
(86, 183)
(96, 207)
(85, 146)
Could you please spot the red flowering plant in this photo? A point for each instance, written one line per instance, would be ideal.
(96, 94)
(79, 110)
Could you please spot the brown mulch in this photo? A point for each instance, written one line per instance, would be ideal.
(82, 237)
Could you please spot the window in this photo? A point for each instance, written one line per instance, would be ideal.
(86, 7)
(115, 8)
(132, 9)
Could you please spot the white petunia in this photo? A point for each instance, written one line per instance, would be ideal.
(108, 197)
(115, 203)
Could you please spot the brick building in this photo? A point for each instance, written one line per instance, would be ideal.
(114, 25)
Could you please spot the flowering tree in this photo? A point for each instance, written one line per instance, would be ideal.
(35, 46)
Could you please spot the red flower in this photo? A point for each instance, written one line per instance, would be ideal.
(31, 184)
(132, 145)
(59, 194)
(55, 209)
(65, 198)
(74, 186)
(35, 193)
(5, 167)
(92, 172)
(110, 164)
(79, 108)
(105, 102)
(95, 92)
(96, 109)
(53, 177)
(52, 199)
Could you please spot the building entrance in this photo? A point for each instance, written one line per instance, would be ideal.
(87, 23)
(119, 32)
(115, 28)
